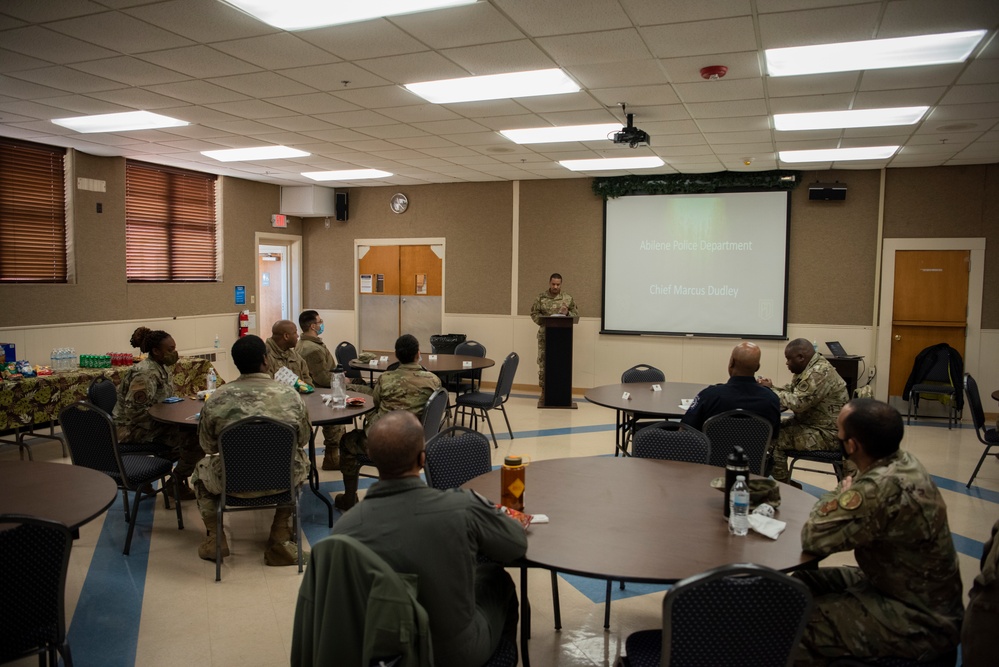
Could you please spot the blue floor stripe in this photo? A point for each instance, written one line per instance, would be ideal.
(104, 629)
(959, 487)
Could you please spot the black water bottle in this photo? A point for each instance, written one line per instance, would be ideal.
(736, 464)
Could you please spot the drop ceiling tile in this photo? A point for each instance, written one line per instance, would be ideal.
(130, 71)
(910, 77)
(200, 61)
(84, 104)
(981, 94)
(237, 127)
(25, 90)
(517, 56)
(819, 26)
(262, 84)
(51, 10)
(449, 152)
(198, 92)
(472, 160)
(276, 51)
(379, 97)
(957, 140)
(807, 103)
(338, 135)
(741, 65)
(585, 117)
(701, 37)
(938, 130)
(915, 17)
(194, 131)
(683, 151)
(987, 149)
(448, 127)
(368, 39)
(487, 109)
(418, 113)
(952, 112)
(481, 139)
(52, 46)
(285, 139)
(636, 95)
(201, 21)
(553, 103)
(728, 109)
(13, 62)
(610, 75)
(666, 140)
(514, 122)
(742, 151)
(875, 99)
(554, 18)
(331, 77)
(413, 67)
(198, 114)
(314, 103)
(394, 131)
(608, 46)
(926, 149)
(980, 71)
(808, 135)
(478, 23)
(367, 145)
(741, 124)
(119, 32)
(650, 12)
(420, 143)
(354, 118)
(812, 85)
(398, 154)
(35, 110)
(66, 79)
(718, 139)
(720, 91)
(191, 145)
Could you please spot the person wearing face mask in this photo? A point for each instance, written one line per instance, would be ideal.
(321, 363)
(148, 383)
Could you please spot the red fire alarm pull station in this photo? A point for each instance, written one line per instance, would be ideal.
(279, 220)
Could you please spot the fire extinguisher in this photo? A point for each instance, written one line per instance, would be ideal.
(244, 323)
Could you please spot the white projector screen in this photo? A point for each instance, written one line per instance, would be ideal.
(706, 264)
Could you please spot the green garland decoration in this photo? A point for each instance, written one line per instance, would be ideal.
(612, 187)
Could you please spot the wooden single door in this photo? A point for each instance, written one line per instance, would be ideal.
(272, 291)
(930, 306)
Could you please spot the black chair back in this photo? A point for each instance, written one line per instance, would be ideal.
(345, 353)
(760, 612)
(739, 427)
(456, 455)
(642, 373)
(433, 414)
(469, 380)
(504, 384)
(35, 557)
(672, 441)
(90, 436)
(257, 455)
(975, 402)
(103, 394)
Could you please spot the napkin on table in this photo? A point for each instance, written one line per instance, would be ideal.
(762, 522)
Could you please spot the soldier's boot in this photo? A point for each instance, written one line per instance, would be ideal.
(281, 547)
(344, 501)
(206, 550)
(331, 460)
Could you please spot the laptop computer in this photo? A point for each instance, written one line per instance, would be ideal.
(838, 351)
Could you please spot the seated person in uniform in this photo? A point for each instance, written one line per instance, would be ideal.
(815, 395)
(253, 394)
(979, 639)
(407, 387)
(437, 535)
(148, 383)
(741, 391)
(904, 599)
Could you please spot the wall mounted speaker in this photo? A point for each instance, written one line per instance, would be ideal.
(341, 206)
(827, 191)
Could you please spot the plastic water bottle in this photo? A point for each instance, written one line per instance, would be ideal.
(738, 520)
(338, 388)
(736, 464)
(216, 341)
(212, 380)
(54, 359)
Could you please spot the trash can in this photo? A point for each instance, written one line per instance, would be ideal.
(445, 343)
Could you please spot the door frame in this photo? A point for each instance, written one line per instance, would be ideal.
(294, 244)
(431, 241)
(976, 288)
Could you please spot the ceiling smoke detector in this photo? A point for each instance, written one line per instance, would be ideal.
(714, 72)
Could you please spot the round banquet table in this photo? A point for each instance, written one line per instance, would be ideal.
(643, 403)
(640, 520)
(71, 495)
(444, 364)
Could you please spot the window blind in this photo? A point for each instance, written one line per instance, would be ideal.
(170, 224)
(32, 213)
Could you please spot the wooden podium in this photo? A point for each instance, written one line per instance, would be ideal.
(558, 362)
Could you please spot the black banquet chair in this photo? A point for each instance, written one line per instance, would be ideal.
(987, 436)
(739, 427)
(629, 422)
(466, 381)
(345, 352)
(738, 614)
(672, 441)
(476, 403)
(257, 454)
(102, 393)
(455, 456)
(434, 413)
(35, 557)
(93, 443)
(936, 375)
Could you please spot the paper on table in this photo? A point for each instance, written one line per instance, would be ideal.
(285, 376)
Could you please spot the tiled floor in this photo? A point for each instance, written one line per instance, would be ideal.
(161, 605)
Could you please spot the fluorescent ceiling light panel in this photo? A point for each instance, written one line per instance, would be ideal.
(612, 163)
(119, 122)
(306, 14)
(839, 154)
(346, 174)
(952, 47)
(257, 153)
(495, 86)
(548, 135)
(825, 120)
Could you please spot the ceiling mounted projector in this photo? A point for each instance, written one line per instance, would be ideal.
(631, 135)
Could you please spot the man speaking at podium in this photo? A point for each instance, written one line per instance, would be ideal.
(552, 301)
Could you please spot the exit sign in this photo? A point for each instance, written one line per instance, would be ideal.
(279, 220)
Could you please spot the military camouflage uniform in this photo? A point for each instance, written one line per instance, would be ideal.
(905, 598)
(251, 395)
(143, 385)
(290, 358)
(321, 363)
(406, 388)
(979, 639)
(545, 305)
(815, 396)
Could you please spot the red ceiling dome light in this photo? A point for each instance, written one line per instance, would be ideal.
(714, 72)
